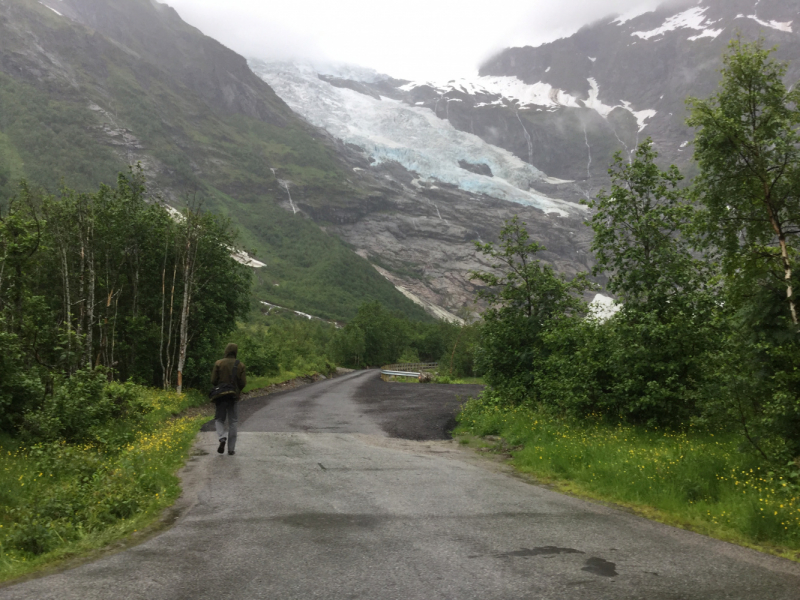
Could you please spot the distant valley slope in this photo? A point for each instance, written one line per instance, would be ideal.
(88, 87)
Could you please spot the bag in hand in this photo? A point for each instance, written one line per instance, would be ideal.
(226, 391)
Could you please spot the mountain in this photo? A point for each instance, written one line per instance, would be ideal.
(88, 87)
(646, 67)
(532, 134)
(351, 185)
(567, 106)
(446, 188)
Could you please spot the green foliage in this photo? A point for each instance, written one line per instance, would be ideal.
(526, 300)
(748, 191)
(87, 408)
(707, 333)
(21, 383)
(655, 346)
(277, 345)
(748, 150)
(108, 279)
(61, 497)
(637, 232)
(378, 337)
(50, 141)
(314, 272)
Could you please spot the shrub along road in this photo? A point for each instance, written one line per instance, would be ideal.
(320, 502)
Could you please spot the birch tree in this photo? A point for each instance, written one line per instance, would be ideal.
(192, 231)
(638, 225)
(748, 150)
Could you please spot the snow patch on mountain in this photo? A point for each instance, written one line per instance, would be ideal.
(511, 88)
(508, 90)
(51, 8)
(787, 26)
(389, 130)
(602, 308)
(694, 18)
(245, 259)
(708, 33)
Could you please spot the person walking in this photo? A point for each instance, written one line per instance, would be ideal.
(228, 370)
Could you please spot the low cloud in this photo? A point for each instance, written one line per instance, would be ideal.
(413, 39)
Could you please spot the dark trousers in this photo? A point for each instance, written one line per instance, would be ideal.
(227, 409)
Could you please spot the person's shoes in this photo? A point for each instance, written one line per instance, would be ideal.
(221, 448)
(231, 452)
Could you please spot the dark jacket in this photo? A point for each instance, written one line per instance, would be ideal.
(223, 369)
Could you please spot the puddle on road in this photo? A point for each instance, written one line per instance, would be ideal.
(594, 565)
(599, 566)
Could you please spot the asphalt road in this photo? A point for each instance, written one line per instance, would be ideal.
(320, 502)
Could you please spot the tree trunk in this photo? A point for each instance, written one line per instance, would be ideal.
(787, 269)
(82, 288)
(787, 265)
(188, 287)
(170, 362)
(67, 306)
(90, 309)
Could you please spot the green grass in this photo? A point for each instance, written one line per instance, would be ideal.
(443, 380)
(257, 383)
(59, 501)
(704, 481)
(460, 380)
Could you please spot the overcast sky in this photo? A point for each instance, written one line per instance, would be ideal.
(411, 39)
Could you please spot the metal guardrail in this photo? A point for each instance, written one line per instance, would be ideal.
(407, 370)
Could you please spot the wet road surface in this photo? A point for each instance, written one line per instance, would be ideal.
(321, 501)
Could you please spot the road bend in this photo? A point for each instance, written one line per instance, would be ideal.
(320, 502)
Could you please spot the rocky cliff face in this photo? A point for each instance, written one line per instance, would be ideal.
(421, 235)
(430, 190)
(216, 74)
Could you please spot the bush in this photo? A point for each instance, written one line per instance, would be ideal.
(21, 387)
(86, 408)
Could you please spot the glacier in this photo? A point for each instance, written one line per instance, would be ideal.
(389, 130)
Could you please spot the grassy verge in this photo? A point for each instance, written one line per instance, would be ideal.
(257, 383)
(698, 480)
(444, 380)
(459, 380)
(58, 500)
